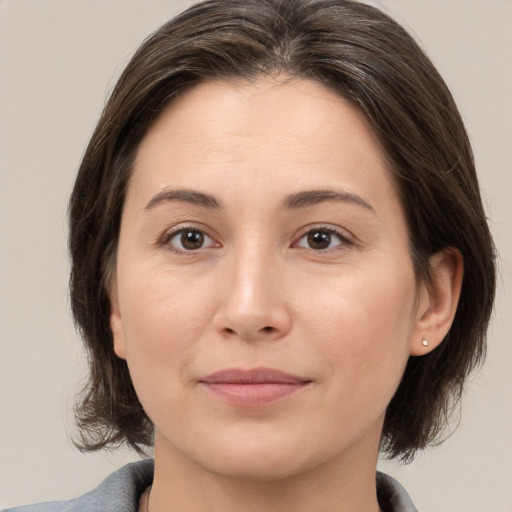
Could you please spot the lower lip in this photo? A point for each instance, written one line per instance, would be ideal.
(254, 395)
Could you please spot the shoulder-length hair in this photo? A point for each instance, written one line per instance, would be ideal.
(367, 58)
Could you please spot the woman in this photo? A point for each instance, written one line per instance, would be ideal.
(280, 261)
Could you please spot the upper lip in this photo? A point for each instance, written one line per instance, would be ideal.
(253, 376)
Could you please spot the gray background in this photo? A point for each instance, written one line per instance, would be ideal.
(58, 62)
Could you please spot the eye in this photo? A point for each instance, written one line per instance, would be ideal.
(321, 239)
(187, 240)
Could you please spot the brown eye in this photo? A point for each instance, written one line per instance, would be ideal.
(322, 239)
(188, 239)
(191, 240)
(319, 239)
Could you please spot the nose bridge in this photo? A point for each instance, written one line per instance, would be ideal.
(253, 263)
(253, 304)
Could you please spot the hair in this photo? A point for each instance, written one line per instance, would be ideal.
(367, 58)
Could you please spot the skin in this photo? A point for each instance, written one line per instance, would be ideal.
(257, 290)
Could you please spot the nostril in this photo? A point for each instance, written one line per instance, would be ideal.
(268, 329)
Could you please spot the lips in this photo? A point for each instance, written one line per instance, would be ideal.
(253, 387)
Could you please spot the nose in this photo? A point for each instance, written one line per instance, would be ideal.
(252, 303)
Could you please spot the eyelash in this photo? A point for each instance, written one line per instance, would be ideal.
(344, 240)
(166, 239)
(169, 235)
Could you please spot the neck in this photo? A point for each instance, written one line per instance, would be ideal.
(346, 485)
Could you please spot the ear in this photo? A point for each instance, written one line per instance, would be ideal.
(438, 301)
(116, 326)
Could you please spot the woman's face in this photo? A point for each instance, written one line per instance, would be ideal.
(265, 298)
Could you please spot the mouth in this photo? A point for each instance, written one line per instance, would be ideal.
(253, 387)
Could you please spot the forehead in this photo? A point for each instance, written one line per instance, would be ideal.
(268, 107)
(291, 132)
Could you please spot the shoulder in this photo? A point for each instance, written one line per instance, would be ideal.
(392, 496)
(118, 493)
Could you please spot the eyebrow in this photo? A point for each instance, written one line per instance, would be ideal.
(312, 197)
(292, 202)
(188, 196)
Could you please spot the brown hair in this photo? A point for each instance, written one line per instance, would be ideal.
(367, 58)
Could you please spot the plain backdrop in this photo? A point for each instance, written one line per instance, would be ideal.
(58, 62)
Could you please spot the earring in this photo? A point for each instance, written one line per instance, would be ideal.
(424, 342)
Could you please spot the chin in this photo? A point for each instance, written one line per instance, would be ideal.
(261, 465)
(243, 456)
(266, 458)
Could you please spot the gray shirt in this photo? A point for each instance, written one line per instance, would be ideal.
(120, 492)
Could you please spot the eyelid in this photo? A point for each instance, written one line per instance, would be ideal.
(345, 237)
(168, 234)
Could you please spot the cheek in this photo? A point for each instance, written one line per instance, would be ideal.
(362, 325)
(163, 315)
(162, 318)
(159, 304)
(357, 302)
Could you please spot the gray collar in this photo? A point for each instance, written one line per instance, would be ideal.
(120, 492)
